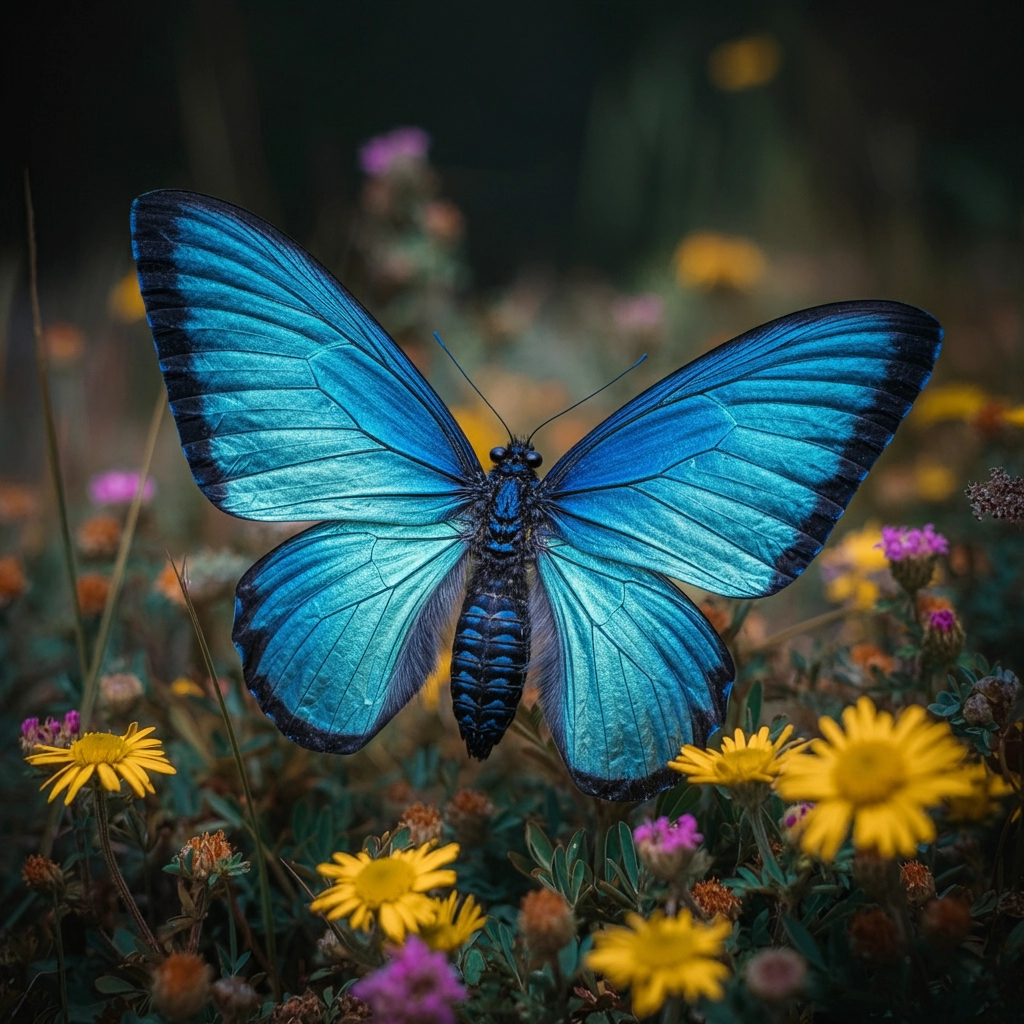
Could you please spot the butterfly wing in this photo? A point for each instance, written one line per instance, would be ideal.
(629, 671)
(338, 627)
(290, 401)
(730, 473)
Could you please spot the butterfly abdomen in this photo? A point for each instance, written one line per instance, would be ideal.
(491, 652)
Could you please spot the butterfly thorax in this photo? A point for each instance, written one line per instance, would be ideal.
(491, 652)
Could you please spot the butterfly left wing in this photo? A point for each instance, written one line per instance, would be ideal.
(338, 627)
(629, 670)
(290, 400)
(730, 473)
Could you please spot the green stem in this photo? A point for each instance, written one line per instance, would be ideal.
(250, 806)
(103, 829)
(232, 928)
(756, 816)
(52, 448)
(59, 940)
(89, 690)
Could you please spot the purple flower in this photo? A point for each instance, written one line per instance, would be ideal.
(417, 987)
(30, 731)
(72, 723)
(901, 542)
(669, 836)
(942, 620)
(118, 487)
(639, 313)
(379, 155)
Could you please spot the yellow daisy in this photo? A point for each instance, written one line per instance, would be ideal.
(454, 923)
(662, 957)
(985, 797)
(390, 889)
(106, 756)
(878, 776)
(746, 765)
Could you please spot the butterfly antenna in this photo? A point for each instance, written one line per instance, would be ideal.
(471, 384)
(588, 398)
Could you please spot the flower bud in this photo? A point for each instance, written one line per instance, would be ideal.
(120, 692)
(546, 923)
(912, 554)
(918, 883)
(873, 936)
(716, 900)
(180, 985)
(43, 875)
(943, 636)
(945, 923)
(666, 848)
(794, 821)
(234, 999)
(878, 876)
(775, 974)
(423, 822)
(468, 814)
(99, 537)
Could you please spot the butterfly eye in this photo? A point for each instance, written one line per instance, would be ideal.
(497, 454)
(534, 459)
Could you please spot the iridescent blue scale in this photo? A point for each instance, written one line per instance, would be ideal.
(293, 404)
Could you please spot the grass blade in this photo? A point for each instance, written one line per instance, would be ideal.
(254, 825)
(90, 688)
(53, 451)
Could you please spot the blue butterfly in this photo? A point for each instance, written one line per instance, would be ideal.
(293, 404)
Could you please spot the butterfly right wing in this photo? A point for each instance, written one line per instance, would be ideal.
(291, 402)
(628, 671)
(338, 627)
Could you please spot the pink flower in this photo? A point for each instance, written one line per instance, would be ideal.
(901, 542)
(639, 314)
(378, 155)
(416, 987)
(942, 620)
(118, 487)
(669, 835)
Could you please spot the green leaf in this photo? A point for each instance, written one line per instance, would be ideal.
(754, 698)
(577, 845)
(804, 941)
(111, 986)
(560, 871)
(629, 861)
(522, 864)
(540, 847)
(473, 965)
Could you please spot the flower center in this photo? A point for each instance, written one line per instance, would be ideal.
(869, 772)
(384, 881)
(98, 748)
(743, 765)
(656, 951)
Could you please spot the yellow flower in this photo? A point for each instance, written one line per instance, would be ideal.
(707, 259)
(932, 480)
(390, 889)
(741, 762)
(126, 302)
(107, 756)
(987, 790)
(744, 63)
(185, 687)
(431, 692)
(482, 430)
(454, 923)
(662, 957)
(850, 567)
(949, 402)
(878, 776)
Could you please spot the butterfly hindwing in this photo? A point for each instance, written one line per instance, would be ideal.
(730, 473)
(291, 402)
(629, 670)
(338, 627)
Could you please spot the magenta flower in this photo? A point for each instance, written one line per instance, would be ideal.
(669, 835)
(901, 542)
(942, 620)
(417, 987)
(118, 487)
(379, 155)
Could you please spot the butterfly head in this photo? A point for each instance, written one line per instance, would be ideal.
(518, 458)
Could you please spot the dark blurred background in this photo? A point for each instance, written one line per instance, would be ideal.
(558, 127)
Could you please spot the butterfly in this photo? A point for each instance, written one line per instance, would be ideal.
(292, 404)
